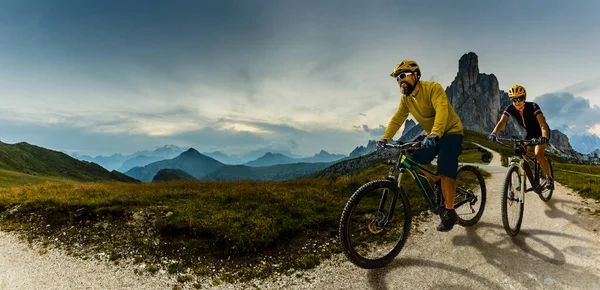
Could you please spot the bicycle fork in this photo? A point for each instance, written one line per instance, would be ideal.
(381, 219)
(524, 173)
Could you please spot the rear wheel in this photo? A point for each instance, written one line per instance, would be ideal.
(470, 195)
(512, 201)
(546, 194)
(375, 223)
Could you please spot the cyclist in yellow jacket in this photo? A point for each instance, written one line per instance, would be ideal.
(429, 105)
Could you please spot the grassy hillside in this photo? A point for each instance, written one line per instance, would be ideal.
(12, 178)
(38, 161)
(584, 179)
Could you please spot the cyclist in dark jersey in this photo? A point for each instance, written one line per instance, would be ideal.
(529, 116)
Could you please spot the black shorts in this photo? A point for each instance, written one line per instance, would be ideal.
(448, 149)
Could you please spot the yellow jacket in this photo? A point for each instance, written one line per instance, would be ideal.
(430, 106)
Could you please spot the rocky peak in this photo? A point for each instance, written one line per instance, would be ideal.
(468, 67)
(477, 98)
(409, 124)
(361, 150)
(559, 143)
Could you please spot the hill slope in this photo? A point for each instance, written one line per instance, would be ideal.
(168, 174)
(34, 160)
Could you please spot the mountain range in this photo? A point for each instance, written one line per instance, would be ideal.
(277, 158)
(200, 166)
(123, 163)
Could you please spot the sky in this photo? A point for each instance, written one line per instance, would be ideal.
(103, 77)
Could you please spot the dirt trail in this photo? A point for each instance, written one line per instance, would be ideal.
(558, 248)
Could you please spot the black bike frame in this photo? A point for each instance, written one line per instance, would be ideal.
(405, 163)
(520, 151)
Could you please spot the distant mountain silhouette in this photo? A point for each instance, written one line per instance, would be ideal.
(585, 143)
(34, 160)
(266, 173)
(200, 166)
(224, 158)
(125, 162)
(140, 160)
(255, 154)
(190, 161)
(361, 150)
(323, 156)
(271, 159)
(168, 174)
(276, 158)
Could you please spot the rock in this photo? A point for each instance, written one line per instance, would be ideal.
(410, 135)
(138, 216)
(477, 98)
(361, 150)
(169, 214)
(559, 145)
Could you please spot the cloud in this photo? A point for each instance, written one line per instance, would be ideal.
(373, 132)
(584, 87)
(573, 114)
(595, 129)
(132, 132)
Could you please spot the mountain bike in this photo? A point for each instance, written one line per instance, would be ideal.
(515, 187)
(377, 218)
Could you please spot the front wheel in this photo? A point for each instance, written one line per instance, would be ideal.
(512, 201)
(375, 223)
(546, 194)
(470, 195)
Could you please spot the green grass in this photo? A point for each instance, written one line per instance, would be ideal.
(12, 178)
(587, 185)
(38, 161)
(472, 153)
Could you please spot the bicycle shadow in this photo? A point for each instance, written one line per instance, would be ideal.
(518, 258)
(517, 262)
(553, 211)
(377, 281)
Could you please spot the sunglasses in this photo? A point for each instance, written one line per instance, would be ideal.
(519, 99)
(403, 75)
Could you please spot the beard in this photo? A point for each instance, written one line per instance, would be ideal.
(407, 88)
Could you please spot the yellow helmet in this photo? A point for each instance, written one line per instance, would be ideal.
(517, 91)
(406, 65)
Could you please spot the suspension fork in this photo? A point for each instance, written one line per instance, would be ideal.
(523, 172)
(384, 197)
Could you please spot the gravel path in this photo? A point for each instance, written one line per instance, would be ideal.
(558, 248)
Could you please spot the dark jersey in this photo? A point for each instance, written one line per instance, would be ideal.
(528, 120)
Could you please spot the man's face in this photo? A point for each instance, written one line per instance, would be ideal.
(519, 103)
(407, 82)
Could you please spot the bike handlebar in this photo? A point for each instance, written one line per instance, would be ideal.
(531, 142)
(405, 146)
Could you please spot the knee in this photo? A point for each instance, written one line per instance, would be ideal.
(446, 178)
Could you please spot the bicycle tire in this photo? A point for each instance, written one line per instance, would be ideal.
(507, 200)
(465, 171)
(546, 194)
(351, 247)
